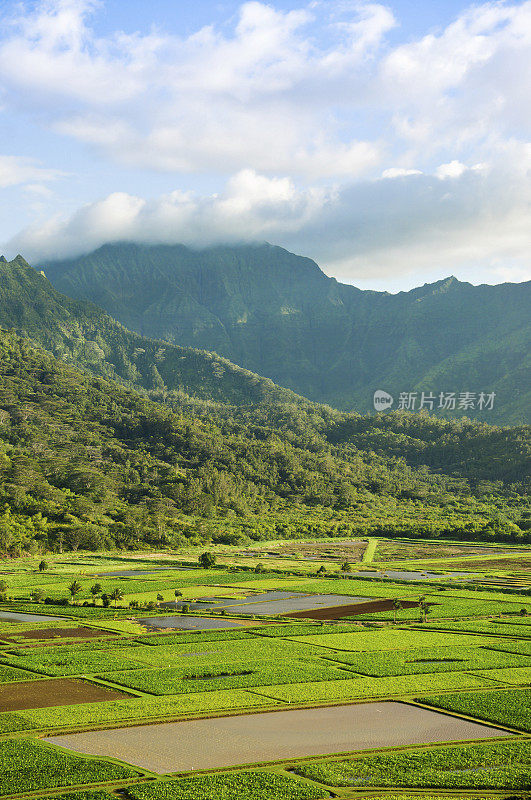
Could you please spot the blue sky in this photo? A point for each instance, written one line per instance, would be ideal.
(390, 142)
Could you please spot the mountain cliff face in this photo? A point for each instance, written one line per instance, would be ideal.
(83, 335)
(279, 315)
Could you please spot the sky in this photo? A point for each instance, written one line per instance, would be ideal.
(389, 142)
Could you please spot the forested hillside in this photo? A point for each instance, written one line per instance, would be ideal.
(279, 315)
(88, 463)
(79, 333)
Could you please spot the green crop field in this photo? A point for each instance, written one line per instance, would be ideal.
(467, 665)
(185, 680)
(27, 765)
(233, 786)
(429, 659)
(506, 707)
(503, 765)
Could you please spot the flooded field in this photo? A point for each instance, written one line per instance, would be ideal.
(187, 623)
(15, 616)
(47, 693)
(405, 575)
(60, 633)
(251, 738)
(271, 603)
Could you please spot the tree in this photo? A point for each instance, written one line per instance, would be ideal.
(424, 608)
(177, 593)
(321, 571)
(37, 595)
(116, 595)
(43, 566)
(160, 598)
(397, 605)
(105, 600)
(74, 589)
(346, 567)
(207, 560)
(95, 591)
(259, 568)
(3, 586)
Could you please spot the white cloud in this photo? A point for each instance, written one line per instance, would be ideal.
(400, 172)
(365, 232)
(15, 170)
(376, 158)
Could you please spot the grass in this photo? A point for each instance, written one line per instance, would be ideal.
(505, 707)
(364, 688)
(391, 639)
(12, 675)
(231, 786)
(481, 766)
(429, 659)
(27, 765)
(235, 675)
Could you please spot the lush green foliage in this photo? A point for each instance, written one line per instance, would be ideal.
(497, 766)
(278, 314)
(430, 659)
(506, 707)
(87, 463)
(232, 786)
(27, 765)
(9, 675)
(217, 676)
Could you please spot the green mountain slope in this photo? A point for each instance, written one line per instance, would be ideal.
(79, 333)
(279, 315)
(86, 462)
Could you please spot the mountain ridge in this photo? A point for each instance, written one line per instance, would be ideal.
(280, 315)
(80, 333)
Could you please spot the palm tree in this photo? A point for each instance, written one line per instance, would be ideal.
(397, 605)
(74, 589)
(116, 595)
(424, 608)
(96, 590)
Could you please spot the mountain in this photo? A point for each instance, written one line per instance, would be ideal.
(86, 462)
(79, 333)
(279, 315)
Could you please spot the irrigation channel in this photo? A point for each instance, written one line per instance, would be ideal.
(274, 736)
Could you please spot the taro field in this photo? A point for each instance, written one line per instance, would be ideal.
(78, 664)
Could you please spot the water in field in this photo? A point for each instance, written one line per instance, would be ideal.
(270, 603)
(404, 575)
(188, 623)
(133, 573)
(16, 616)
(250, 738)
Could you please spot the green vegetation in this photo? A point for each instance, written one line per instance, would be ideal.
(430, 659)
(309, 332)
(27, 765)
(483, 766)
(232, 786)
(86, 463)
(9, 675)
(236, 675)
(506, 707)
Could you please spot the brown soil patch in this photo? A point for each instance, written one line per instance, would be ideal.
(46, 693)
(352, 549)
(62, 633)
(204, 744)
(337, 612)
